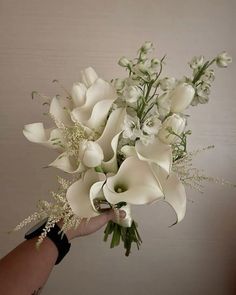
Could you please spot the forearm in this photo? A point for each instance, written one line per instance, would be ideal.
(26, 269)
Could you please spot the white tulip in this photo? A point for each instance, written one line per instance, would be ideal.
(91, 154)
(223, 59)
(89, 76)
(176, 124)
(181, 97)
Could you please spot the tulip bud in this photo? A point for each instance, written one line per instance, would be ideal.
(89, 76)
(181, 97)
(78, 94)
(174, 123)
(124, 62)
(91, 154)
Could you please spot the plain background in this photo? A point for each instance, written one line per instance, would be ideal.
(55, 39)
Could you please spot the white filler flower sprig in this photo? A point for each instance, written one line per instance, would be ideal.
(122, 143)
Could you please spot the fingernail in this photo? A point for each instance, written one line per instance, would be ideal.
(122, 214)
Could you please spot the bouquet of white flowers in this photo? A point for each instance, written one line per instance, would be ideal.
(123, 143)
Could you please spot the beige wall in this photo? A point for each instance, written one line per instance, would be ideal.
(44, 40)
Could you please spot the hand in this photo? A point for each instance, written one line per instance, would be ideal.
(94, 224)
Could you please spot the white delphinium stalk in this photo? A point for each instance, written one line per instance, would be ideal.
(202, 95)
(131, 95)
(208, 76)
(131, 127)
(151, 125)
(196, 62)
(168, 83)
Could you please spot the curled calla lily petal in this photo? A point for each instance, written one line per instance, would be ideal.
(174, 191)
(78, 194)
(155, 152)
(89, 76)
(60, 115)
(109, 139)
(78, 94)
(140, 187)
(67, 163)
(52, 138)
(99, 98)
(96, 192)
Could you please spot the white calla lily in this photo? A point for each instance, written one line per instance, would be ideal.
(89, 76)
(78, 194)
(141, 187)
(173, 189)
(51, 138)
(78, 94)
(59, 113)
(67, 163)
(99, 98)
(155, 152)
(108, 141)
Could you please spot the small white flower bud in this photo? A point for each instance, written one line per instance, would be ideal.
(147, 46)
(223, 59)
(124, 62)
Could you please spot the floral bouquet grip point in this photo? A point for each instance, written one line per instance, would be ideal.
(122, 143)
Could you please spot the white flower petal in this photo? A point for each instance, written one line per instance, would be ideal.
(89, 76)
(100, 90)
(127, 221)
(136, 181)
(112, 128)
(155, 152)
(78, 94)
(96, 192)
(78, 194)
(67, 163)
(48, 137)
(60, 115)
(174, 191)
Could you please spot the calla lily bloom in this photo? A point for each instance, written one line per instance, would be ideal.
(173, 189)
(140, 187)
(36, 133)
(78, 194)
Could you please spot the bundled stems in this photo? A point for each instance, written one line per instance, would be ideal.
(128, 235)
